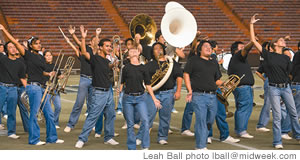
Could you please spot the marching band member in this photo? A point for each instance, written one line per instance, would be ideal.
(296, 79)
(243, 94)
(278, 67)
(35, 70)
(102, 99)
(201, 77)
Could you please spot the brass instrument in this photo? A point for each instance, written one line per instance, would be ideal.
(226, 88)
(145, 26)
(60, 86)
(25, 100)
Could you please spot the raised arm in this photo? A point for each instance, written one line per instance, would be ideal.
(13, 40)
(252, 34)
(95, 46)
(72, 32)
(83, 47)
(247, 49)
(70, 43)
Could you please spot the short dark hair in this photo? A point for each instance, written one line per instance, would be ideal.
(128, 39)
(266, 44)
(213, 44)
(234, 46)
(92, 37)
(5, 46)
(158, 34)
(200, 46)
(152, 49)
(46, 52)
(101, 43)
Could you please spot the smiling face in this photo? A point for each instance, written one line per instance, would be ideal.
(206, 50)
(106, 48)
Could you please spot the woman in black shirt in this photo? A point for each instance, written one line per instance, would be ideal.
(277, 68)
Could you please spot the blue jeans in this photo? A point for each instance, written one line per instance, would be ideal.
(23, 110)
(287, 97)
(205, 107)
(285, 120)
(132, 104)
(10, 95)
(221, 121)
(101, 101)
(296, 89)
(4, 109)
(264, 116)
(35, 94)
(120, 108)
(244, 104)
(187, 117)
(57, 108)
(84, 90)
(166, 99)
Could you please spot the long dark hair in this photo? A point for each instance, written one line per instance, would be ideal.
(31, 41)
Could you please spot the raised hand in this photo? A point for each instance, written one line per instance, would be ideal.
(71, 29)
(253, 20)
(137, 38)
(98, 31)
(1, 27)
(83, 32)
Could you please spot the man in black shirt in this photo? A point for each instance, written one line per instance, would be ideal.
(201, 77)
(243, 94)
(11, 72)
(165, 93)
(296, 79)
(102, 99)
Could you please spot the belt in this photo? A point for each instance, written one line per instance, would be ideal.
(8, 85)
(85, 76)
(280, 85)
(206, 92)
(101, 89)
(295, 83)
(135, 94)
(35, 84)
(165, 89)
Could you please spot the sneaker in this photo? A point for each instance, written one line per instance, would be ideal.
(2, 126)
(116, 134)
(278, 146)
(231, 140)
(138, 142)
(201, 148)
(145, 148)
(57, 127)
(286, 137)
(14, 136)
(40, 143)
(111, 142)
(97, 135)
(163, 142)
(5, 116)
(209, 141)
(59, 141)
(174, 110)
(136, 126)
(79, 144)
(67, 129)
(125, 126)
(170, 131)
(263, 129)
(119, 112)
(86, 114)
(248, 136)
(188, 133)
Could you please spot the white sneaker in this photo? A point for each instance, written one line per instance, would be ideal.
(201, 148)
(67, 129)
(170, 131)
(86, 114)
(97, 135)
(188, 133)
(247, 135)
(231, 140)
(145, 148)
(209, 141)
(116, 134)
(119, 112)
(278, 146)
(2, 126)
(59, 141)
(174, 111)
(136, 126)
(14, 136)
(79, 144)
(125, 126)
(286, 137)
(263, 129)
(5, 116)
(111, 142)
(163, 142)
(40, 143)
(138, 142)
(57, 127)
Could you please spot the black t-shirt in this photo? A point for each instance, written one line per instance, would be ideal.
(133, 77)
(261, 69)
(296, 67)
(170, 83)
(11, 71)
(85, 67)
(215, 59)
(35, 66)
(100, 71)
(239, 65)
(147, 52)
(276, 66)
(203, 74)
(49, 68)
